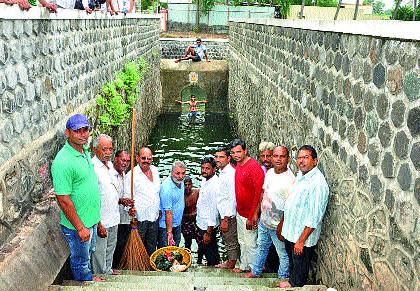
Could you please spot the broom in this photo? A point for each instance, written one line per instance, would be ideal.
(135, 256)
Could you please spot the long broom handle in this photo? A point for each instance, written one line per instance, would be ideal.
(133, 138)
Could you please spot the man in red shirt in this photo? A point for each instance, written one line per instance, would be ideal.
(249, 179)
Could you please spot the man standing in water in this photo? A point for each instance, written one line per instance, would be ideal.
(195, 52)
(189, 227)
(300, 227)
(226, 204)
(207, 215)
(249, 179)
(76, 186)
(193, 102)
(172, 206)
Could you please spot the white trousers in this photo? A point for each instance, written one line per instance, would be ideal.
(104, 252)
(248, 242)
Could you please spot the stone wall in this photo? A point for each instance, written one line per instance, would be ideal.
(352, 90)
(52, 66)
(173, 48)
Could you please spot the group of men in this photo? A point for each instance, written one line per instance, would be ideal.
(253, 205)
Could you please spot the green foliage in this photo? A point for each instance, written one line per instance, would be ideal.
(145, 4)
(327, 3)
(406, 13)
(367, 2)
(284, 6)
(116, 98)
(378, 7)
(163, 5)
(205, 5)
(299, 2)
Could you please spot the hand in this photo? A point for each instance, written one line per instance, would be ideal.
(126, 202)
(206, 238)
(298, 249)
(101, 231)
(278, 232)
(84, 234)
(132, 212)
(88, 10)
(249, 224)
(224, 225)
(160, 214)
(171, 241)
(50, 6)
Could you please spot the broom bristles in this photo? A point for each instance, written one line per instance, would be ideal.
(135, 256)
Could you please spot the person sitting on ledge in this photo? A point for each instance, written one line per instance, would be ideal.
(195, 52)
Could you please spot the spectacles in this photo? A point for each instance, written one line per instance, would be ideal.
(146, 158)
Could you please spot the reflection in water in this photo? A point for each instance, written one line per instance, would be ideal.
(174, 138)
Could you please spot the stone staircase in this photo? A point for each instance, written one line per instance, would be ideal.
(195, 278)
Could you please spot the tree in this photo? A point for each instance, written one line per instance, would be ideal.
(378, 7)
(356, 10)
(338, 9)
(397, 7)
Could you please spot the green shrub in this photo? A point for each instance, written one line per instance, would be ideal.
(406, 13)
(299, 2)
(327, 3)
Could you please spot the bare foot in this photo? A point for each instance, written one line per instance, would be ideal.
(284, 284)
(98, 279)
(249, 275)
(177, 61)
(116, 272)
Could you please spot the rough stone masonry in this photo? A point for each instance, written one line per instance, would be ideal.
(50, 68)
(352, 90)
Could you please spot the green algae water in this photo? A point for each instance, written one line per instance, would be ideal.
(175, 138)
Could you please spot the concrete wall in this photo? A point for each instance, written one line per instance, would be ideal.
(352, 90)
(51, 66)
(181, 17)
(213, 80)
(173, 48)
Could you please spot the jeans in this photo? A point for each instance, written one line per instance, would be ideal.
(104, 252)
(163, 237)
(80, 253)
(266, 236)
(299, 265)
(149, 234)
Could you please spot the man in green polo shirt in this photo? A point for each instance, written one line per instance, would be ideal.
(76, 186)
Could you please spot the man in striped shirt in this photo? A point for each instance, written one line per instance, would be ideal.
(300, 227)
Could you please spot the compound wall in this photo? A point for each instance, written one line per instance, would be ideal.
(352, 90)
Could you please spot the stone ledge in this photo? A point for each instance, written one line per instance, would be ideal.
(381, 28)
(203, 66)
(194, 39)
(38, 255)
(14, 12)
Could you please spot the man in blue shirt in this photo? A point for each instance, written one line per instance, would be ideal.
(304, 209)
(172, 206)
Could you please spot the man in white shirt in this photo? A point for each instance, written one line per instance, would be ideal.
(110, 214)
(226, 205)
(207, 214)
(121, 163)
(146, 189)
(277, 184)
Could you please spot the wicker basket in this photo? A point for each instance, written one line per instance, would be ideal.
(186, 256)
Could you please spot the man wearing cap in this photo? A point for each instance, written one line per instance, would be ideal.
(76, 186)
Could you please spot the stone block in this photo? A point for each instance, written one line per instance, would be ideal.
(22, 74)
(18, 28)
(363, 174)
(374, 151)
(415, 155)
(3, 83)
(411, 86)
(388, 166)
(413, 121)
(398, 113)
(359, 117)
(392, 50)
(4, 54)
(385, 134)
(376, 187)
(401, 143)
(378, 77)
(11, 77)
(18, 122)
(408, 55)
(6, 130)
(405, 177)
(6, 29)
(417, 190)
(382, 106)
(394, 80)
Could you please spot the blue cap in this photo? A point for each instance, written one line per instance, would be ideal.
(77, 121)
